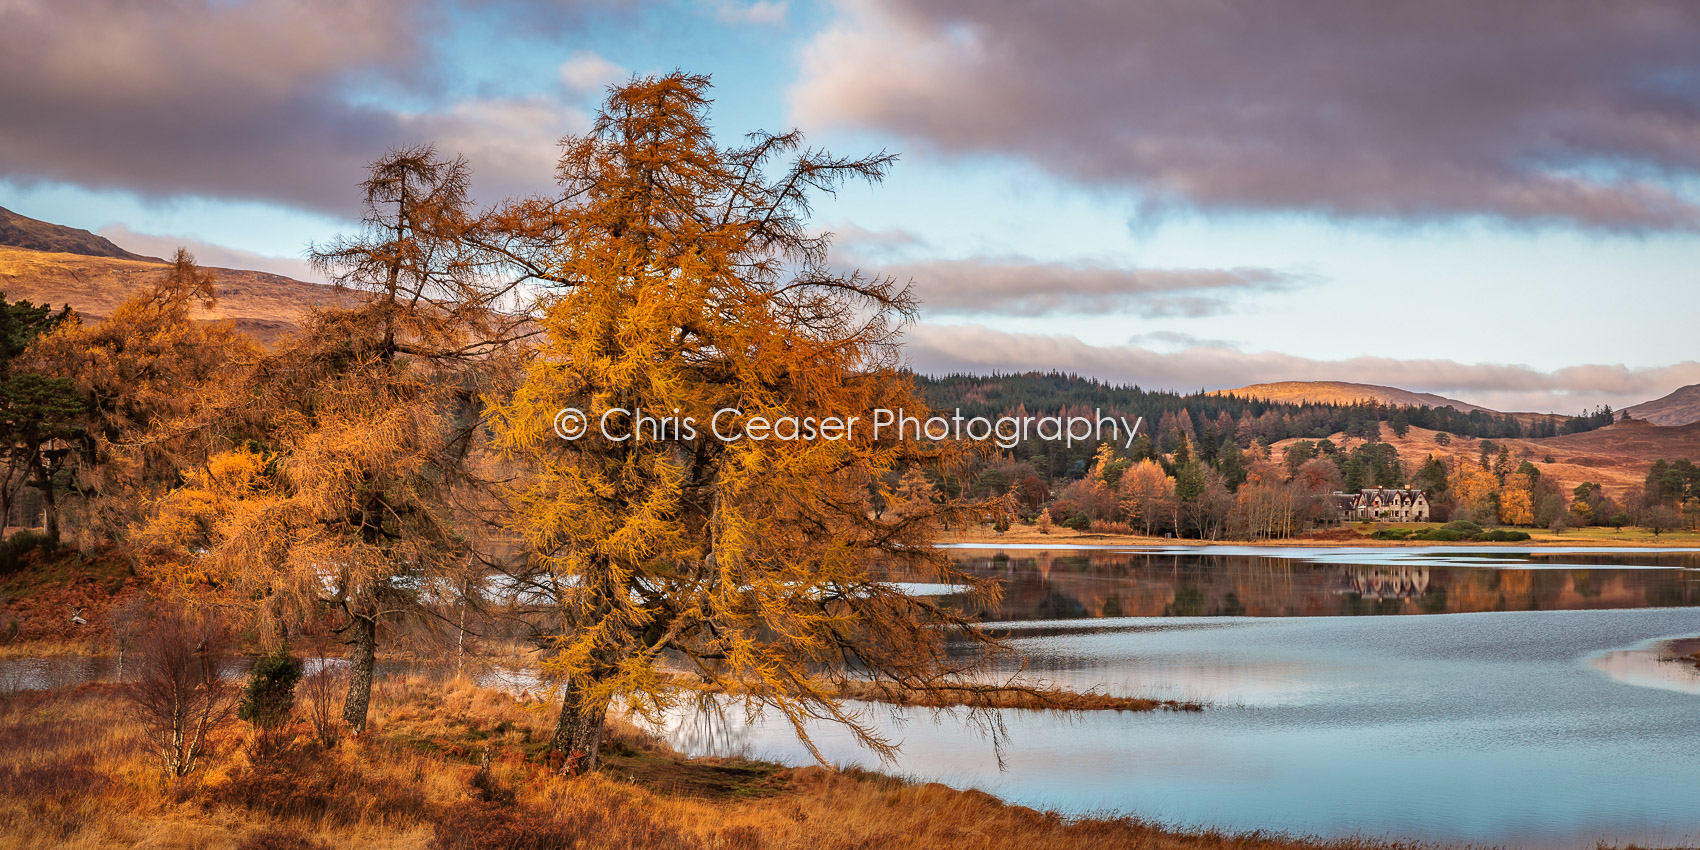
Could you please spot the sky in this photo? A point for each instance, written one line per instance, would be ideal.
(1495, 201)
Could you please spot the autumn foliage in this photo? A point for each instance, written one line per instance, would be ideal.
(680, 279)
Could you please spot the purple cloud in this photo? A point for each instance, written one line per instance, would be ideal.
(1020, 286)
(1573, 112)
(1017, 286)
(253, 100)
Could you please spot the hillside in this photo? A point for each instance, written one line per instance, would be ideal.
(261, 304)
(1343, 392)
(1616, 456)
(1679, 408)
(20, 231)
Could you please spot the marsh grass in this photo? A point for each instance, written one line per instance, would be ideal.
(1036, 698)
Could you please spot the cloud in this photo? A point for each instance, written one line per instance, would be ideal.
(938, 349)
(272, 100)
(1177, 340)
(1017, 286)
(586, 72)
(1572, 112)
(1021, 286)
(765, 12)
(209, 254)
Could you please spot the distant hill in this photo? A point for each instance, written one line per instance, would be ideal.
(1616, 456)
(1679, 408)
(1342, 392)
(264, 305)
(19, 231)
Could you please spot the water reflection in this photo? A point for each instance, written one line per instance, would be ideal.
(1501, 728)
(1652, 664)
(1074, 584)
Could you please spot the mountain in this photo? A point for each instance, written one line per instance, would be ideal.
(1679, 408)
(265, 306)
(1342, 392)
(53, 264)
(19, 231)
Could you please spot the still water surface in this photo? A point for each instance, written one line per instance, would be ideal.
(1523, 701)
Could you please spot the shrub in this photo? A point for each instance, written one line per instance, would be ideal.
(1078, 522)
(1463, 526)
(320, 690)
(268, 699)
(1109, 527)
(181, 693)
(1502, 535)
(1444, 534)
(14, 550)
(1391, 534)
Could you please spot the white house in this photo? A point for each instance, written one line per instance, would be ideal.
(1383, 505)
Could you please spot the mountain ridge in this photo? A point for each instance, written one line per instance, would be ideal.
(21, 231)
(1680, 406)
(1347, 392)
(264, 305)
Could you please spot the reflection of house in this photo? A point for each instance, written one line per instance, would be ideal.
(1389, 582)
(1375, 503)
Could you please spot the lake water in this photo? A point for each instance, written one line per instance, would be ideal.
(1459, 695)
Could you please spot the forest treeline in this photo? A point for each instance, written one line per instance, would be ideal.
(1210, 419)
(1209, 490)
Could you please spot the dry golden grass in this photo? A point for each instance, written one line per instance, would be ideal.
(73, 774)
(51, 649)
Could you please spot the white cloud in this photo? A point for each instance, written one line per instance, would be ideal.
(587, 72)
(765, 12)
(509, 141)
(210, 254)
(937, 349)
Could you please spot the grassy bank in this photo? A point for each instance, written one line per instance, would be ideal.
(1350, 535)
(73, 773)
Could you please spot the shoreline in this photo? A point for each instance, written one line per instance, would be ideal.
(1064, 538)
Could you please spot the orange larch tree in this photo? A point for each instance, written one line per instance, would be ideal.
(680, 278)
(341, 451)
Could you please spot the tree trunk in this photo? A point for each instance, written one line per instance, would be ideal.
(49, 506)
(460, 639)
(578, 731)
(360, 663)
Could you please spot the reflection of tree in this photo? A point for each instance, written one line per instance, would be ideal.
(1112, 584)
